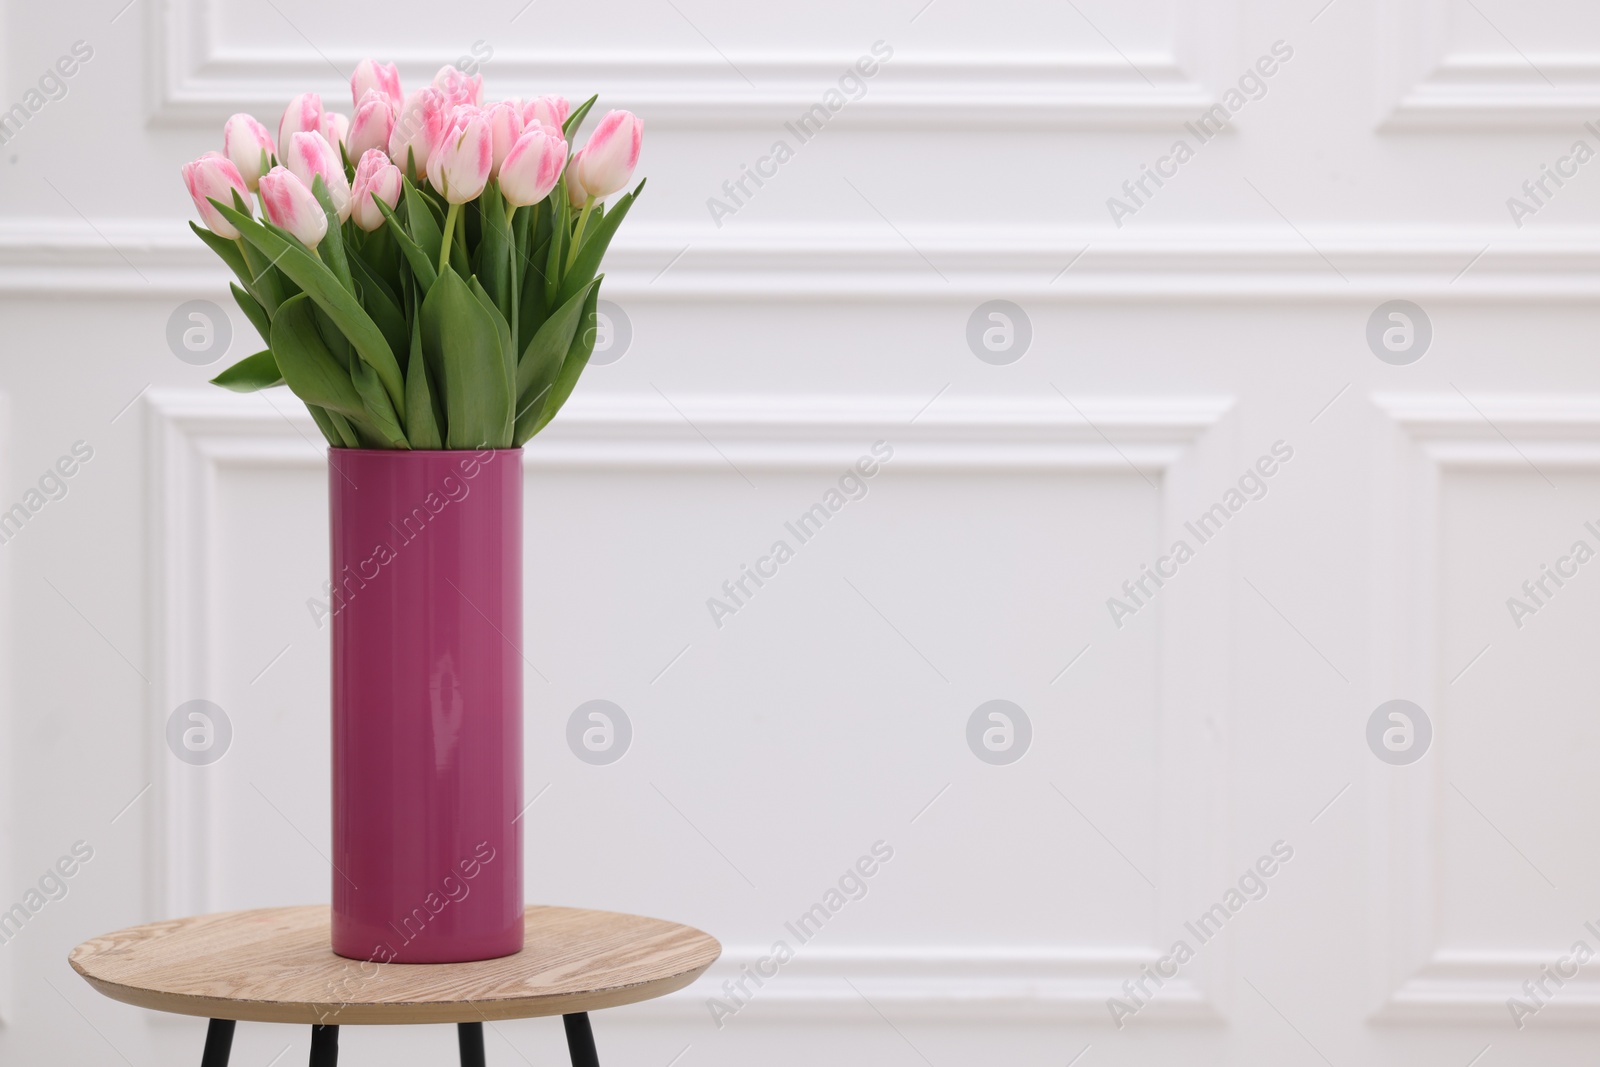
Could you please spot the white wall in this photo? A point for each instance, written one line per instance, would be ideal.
(1227, 313)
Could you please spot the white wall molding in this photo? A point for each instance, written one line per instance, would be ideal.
(1473, 988)
(865, 263)
(194, 437)
(195, 82)
(1432, 435)
(941, 982)
(1437, 90)
(688, 91)
(1468, 93)
(10, 838)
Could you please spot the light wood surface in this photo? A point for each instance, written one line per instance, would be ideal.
(275, 965)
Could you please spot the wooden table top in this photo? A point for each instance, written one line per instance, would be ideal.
(275, 965)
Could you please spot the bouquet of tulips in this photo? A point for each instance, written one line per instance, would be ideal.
(426, 271)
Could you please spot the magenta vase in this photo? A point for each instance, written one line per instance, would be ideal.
(427, 704)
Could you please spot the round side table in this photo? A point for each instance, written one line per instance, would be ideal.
(275, 965)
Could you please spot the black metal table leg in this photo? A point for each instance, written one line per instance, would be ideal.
(324, 1046)
(580, 1040)
(219, 1042)
(470, 1037)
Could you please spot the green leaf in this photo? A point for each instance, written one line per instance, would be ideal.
(266, 282)
(542, 358)
(318, 377)
(252, 310)
(337, 342)
(531, 309)
(239, 261)
(379, 251)
(381, 414)
(331, 247)
(595, 242)
(459, 260)
(560, 233)
(436, 202)
(575, 119)
(572, 366)
(324, 421)
(425, 229)
(577, 359)
(225, 249)
(344, 434)
(421, 265)
(251, 373)
(312, 371)
(495, 243)
(379, 301)
(507, 352)
(520, 219)
(461, 337)
(501, 326)
(542, 219)
(532, 406)
(422, 430)
(313, 276)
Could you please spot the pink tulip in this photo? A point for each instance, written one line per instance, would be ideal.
(303, 115)
(335, 127)
(532, 167)
(290, 206)
(505, 126)
(309, 156)
(376, 179)
(577, 196)
(418, 128)
(214, 177)
(550, 110)
(459, 168)
(372, 76)
(458, 87)
(611, 154)
(248, 144)
(371, 127)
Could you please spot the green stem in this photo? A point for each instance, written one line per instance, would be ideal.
(577, 235)
(516, 281)
(449, 232)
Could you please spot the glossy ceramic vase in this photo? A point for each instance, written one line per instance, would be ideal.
(426, 610)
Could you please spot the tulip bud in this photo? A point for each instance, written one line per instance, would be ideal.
(577, 195)
(372, 76)
(457, 87)
(376, 179)
(418, 129)
(248, 144)
(532, 167)
(505, 126)
(214, 177)
(372, 125)
(309, 156)
(303, 115)
(611, 154)
(459, 167)
(335, 127)
(290, 206)
(550, 110)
